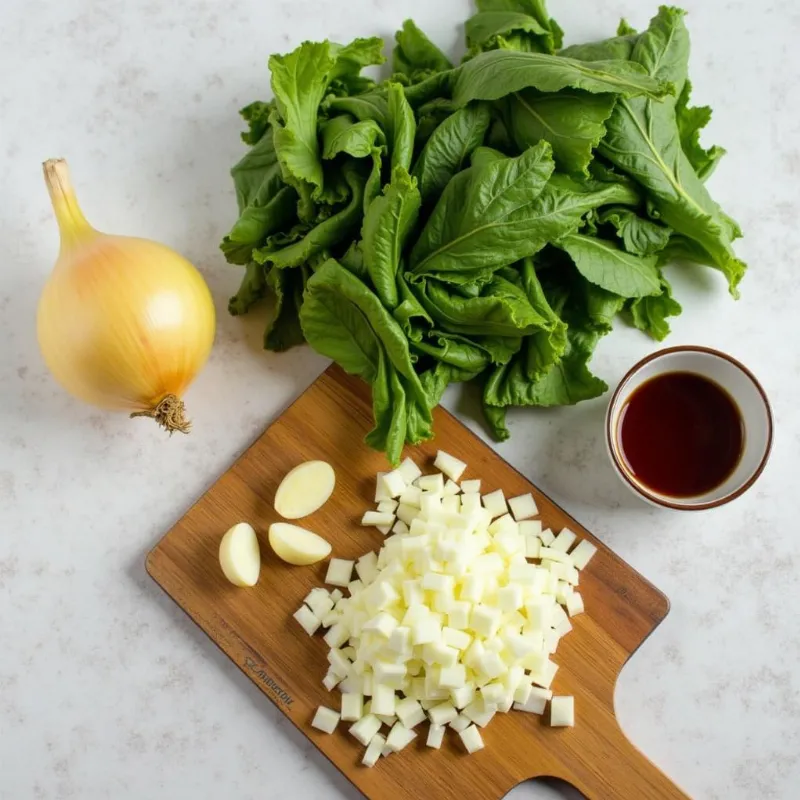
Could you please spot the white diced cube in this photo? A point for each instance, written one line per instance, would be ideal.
(532, 546)
(339, 664)
(547, 536)
(394, 482)
(458, 639)
(336, 635)
(551, 554)
(400, 640)
(562, 712)
(374, 750)
(564, 540)
(352, 706)
(470, 503)
(510, 598)
(336, 595)
(339, 572)
(495, 503)
(325, 720)
(307, 619)
(382, 623)
(449, 465)
(485, 620)
(583, 553)
(407, 513)
(471, 737)
(451, 488)
(523, 692)
(331, 680)
(425, 630)
(533, 705)
(383, 699)
(367, 567)
(400, 527)
(409, 470)
(575, 604)
(480, 712)
(453, 677)
(530, 527)
(451, 504)
(365, 728)
(387, 506)
(409, 712)
(381, 492)
(493, 693)
(411, 496)
(435, 582)
(458, 614)
(435, 736)
(523, 507)
(431, 483)
(471, 486)
(399, 736)
(472, 588)
(544, 677)
(463, 696)
(320, 602)
(376, 518)
(460, 723)
(442, 713)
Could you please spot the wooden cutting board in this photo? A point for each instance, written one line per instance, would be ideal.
(254, 626)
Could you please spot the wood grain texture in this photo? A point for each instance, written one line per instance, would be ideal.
(254, 626)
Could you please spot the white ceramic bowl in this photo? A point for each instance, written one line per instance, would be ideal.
(740, 384)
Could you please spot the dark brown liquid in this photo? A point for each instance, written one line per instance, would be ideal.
(681, 434)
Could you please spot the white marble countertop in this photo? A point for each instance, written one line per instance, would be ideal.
(106, 688)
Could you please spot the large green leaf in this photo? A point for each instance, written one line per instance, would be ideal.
(415, 54)
(449, 148)
(343, 135)
(607, 266)
(650, 314)
(640, 236)
(499, 73)
(401, 129)
(343, 319)
(644, 141)
(571, 120)
(484, 218)
(389, 221)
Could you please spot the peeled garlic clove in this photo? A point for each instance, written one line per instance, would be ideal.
(305, 489)
(296, 545)
(240, 556)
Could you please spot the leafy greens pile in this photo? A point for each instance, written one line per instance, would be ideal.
(486, 221)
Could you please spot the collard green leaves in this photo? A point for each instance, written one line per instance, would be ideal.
(483, 222)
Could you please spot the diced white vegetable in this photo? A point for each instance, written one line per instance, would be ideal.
(409, 712)
(562, 712)
(407, 513)
(319, 601)
(296, 545)
(367, 567)
(453, 677)
(470, 504)
(431, 483)
(374, 750)
(387, 506)
(583, 553)
(547, 536)
(471, 486)
(449, 465)
(400, 527)
(307, 619)
(377, 518)
(399, 736)
(336, 595)
(544, 677)
(495, 503)
(575, 604)
(442, 713)
(383, 699)
(240, 556)
(523, 507)
(435, 736)
(365, 728)
(564, 540)
(454, 637)
(530, 527)
(533, 705)
(460, 723)
(409, 470)
(352, 707)
(381, 492)
(471, 737)
(325, 720)
(305, 489)
(336, 636)
(411, 496)
(339, 572)
(395, 483)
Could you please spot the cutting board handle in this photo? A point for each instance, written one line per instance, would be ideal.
(623, 772)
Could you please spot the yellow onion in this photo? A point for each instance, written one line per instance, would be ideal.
(123, 323)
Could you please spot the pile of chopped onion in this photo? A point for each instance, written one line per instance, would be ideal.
(453, 620)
